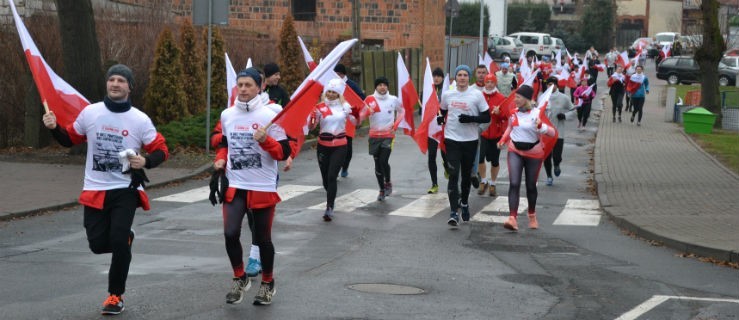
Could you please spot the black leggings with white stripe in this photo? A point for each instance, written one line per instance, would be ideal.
(516, 166)
(260, 221)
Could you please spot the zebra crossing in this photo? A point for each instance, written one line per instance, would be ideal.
(576, 212)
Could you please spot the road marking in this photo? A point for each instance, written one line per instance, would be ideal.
(499, 206)
(426, 206)
(349, 202)
(290, 191)
(656, 300)
(579, 213)
(189, 196)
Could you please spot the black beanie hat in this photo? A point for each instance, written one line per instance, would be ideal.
(525, 91)
(340, 68)
(437, 72)
(381, 80)
(270, 69)
(123, 71)
(552, 80)
(252, 73)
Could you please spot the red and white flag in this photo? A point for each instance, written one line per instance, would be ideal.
(492, 66)
(248, 63)
(62, 98)
(547, 141)
(306, 55)
(666, 50)
(623, 60)
(430, 108)
(407, 95)
(231, 88)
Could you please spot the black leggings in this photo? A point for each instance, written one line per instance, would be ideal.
(638, 107)
(433, 146)
(330, 160)
(460, 160)
(556, 154)
(348, 159)
(108, 231)
(516, 166)
(261, 222)
(382, 166)
(583, 113)
(617, 100)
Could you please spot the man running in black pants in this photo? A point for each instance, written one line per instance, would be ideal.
(114, 173)
(463, 109)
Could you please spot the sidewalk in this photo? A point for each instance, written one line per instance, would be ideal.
(656, 182)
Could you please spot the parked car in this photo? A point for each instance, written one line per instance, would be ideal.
(558, 44)
(684, 69)
(501, 47)
(534, 42)
(731, 62)
(732, 52)
(665, 38)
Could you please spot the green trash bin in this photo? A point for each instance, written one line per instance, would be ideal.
(698, 120)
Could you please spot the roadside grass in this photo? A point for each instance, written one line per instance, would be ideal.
(732, 99)
(722, 144)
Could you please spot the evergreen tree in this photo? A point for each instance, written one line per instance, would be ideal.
(165, 98)
(193, 80)
(218, 91)
(292, 65)
(467, 23)
(597, 24)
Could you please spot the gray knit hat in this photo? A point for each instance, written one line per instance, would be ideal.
(123, 71)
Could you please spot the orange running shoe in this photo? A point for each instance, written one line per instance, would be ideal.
(113, 305)
(511, 224)
(533, 224)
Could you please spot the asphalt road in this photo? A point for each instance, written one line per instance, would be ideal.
(479, 271)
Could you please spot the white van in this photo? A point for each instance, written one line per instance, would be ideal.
(664, 38)
(538, 43)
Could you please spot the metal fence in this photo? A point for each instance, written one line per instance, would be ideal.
(461, 50)
(730, 110)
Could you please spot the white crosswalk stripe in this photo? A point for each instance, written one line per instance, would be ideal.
(498, 210)
(290, 191)
(189, 196)
(351, 201)
(579, 213)
(425, 207)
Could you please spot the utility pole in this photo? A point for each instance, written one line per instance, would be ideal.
(481, 46)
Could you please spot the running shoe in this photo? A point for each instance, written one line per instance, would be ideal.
(557, 171)
(550, 181)
(266, 291)
(482, 189)
(533, 224)
(381, 196)
(434, 189)
(113, 305)
(465, 212)
(328, 215)
(238, 288)
(475, 180)
(492, 191)
(388, 189)
(453, 219)
(253, 268)
(344, 173)
(511, 224)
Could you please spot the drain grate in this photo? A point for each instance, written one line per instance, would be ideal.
(385, 288)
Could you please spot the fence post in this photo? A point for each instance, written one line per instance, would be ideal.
(670, 104)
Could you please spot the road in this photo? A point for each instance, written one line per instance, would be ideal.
(578, 265)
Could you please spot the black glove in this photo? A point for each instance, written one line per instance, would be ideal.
(138, 178)
(218, 188)
(440, 120)
(463, 118)
(561, 116)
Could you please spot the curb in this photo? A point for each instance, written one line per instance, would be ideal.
(25, 213)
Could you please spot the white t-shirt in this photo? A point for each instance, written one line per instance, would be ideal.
(109, 133)
(335, 123)
(526, 130)
(470, 102)
(249, 167)
(383, 121)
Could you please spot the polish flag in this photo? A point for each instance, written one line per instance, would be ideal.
(588, 91)
(231, 88)
(522, 59)
(492, 66)
(62, 98)
(666, 50)
(623, 60)
(408, 96)
(547, 141)
(558, 58)
(601, 67)
(430, 109)
(634, 82)
(563, 77)
(306, 55)
(248, 63)
(294, 115)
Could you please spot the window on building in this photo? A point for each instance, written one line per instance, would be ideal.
(304, 10)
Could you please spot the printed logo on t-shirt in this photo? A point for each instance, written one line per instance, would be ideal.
(459, 105)
(243, 153)
(108, 142)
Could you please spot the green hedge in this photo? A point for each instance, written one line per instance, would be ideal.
(189, 131)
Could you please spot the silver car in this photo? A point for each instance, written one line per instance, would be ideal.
(501, 47)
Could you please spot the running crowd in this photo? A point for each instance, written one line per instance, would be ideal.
(481, 111)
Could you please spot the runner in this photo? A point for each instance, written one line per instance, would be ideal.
(639, 88)
(331, 114)
(463, 110)
(114, 173)
(617, 83)
(490, 137)
(386, 114)
(586, 96)
(559, 108)
(276, 92)
(433, 144)
(248, 155)
(506, 79)
(340, 70)
(524, 153)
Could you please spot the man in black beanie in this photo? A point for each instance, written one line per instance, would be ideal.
(115, 133)
(340, 70)
(272, 78)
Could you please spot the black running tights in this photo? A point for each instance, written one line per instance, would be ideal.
(516, 166)
(261, 219)
(330, 160)
(460, 160)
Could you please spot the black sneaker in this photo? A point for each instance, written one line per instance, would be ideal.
(381, 196)
(328, 215)
(266, 291)
(113, 305)
(475, 180)
(239, 286)
(465, 212)
(557, 171)
(453, 219)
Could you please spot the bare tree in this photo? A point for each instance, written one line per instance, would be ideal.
(80, 49)
(708, 57)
